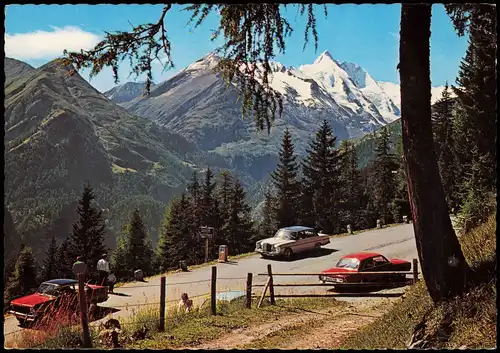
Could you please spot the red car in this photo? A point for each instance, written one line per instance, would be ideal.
(350, 265)
(53, 296)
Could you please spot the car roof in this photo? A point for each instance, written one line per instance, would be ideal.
(297, 228)
(361, 255)
(62, 282)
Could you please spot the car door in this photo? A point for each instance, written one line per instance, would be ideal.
(367, 266)
(298, 242)
(381, 264)
(311, 238)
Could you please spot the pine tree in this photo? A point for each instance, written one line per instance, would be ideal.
(162, 247)
(224, 192)
(286, 184)
(223, 198)
(475, 127)
(87, 239)
(267, 226)
(321, 172)
(208, 216)
(64, 261)
(384, 179)
(138, 255)
(194, 191)
(239, 227)
(49, 265)
(350, 186)
(178, 235)
(24, 277)
(119, 260)
(443, 141)
(400, 205)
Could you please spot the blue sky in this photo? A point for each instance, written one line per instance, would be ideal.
(362, 34)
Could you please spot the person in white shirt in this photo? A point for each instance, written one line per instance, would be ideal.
(185, 304)
(103, 269)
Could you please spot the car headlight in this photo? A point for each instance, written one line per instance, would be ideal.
(32, 311)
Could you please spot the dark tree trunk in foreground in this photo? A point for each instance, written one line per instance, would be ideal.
(443, 264)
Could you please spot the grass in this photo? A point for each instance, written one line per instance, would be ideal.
(467, 320)
(120, 170)
(62, 330)
(189, 330)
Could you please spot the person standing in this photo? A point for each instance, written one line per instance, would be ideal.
(103, 269)
(80, 267)
(185, 303)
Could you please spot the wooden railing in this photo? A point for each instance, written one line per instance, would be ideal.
(271, 285)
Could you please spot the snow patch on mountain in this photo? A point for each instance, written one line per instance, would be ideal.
(393, 90)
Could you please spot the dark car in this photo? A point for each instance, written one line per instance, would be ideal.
(53, 296)
(350, 268)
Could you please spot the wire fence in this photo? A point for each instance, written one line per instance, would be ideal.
(169, 286)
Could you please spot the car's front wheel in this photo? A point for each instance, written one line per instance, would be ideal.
(288, 253)
(317, 247)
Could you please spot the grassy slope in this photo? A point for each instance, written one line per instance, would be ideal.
(181, 330)
(468, 321)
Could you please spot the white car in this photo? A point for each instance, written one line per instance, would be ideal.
(291, 240)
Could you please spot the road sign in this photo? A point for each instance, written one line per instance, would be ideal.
(206, 232)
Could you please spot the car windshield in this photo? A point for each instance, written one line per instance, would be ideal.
(348, 263)
(48, 289)
(283, 234)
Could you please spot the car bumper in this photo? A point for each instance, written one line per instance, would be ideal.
(27, 317)
(331, 279)
(268, 253)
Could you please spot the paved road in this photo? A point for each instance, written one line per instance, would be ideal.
(395, 241)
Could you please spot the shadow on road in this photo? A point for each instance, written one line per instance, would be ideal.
(120, 294)
(310, 254)
(229, 262)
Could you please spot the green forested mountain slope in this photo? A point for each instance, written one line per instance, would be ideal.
(60, 132)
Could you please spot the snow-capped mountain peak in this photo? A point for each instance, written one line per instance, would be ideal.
(325, 57)
(209, 61)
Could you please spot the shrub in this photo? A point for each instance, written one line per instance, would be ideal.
(477, 206)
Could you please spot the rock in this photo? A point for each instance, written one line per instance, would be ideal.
(109, 337)
(140, 334)
(112, 323)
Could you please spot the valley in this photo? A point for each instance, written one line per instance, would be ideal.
(138, 151)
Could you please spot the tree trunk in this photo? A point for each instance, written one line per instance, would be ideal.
(443, 264)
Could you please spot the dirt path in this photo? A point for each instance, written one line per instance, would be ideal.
(303, 330)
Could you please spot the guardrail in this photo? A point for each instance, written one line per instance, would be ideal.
(271, 285)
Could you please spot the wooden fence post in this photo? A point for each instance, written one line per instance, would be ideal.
(83, 311)
(415, 271)
(271, 287)
(263, 294)
(213, 291)
(163, 295)
(249, 291)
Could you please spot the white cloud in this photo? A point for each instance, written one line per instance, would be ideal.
(48, 44)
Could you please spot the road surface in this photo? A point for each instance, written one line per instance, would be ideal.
(397, 241)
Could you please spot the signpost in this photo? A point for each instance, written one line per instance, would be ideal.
(206, 233)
